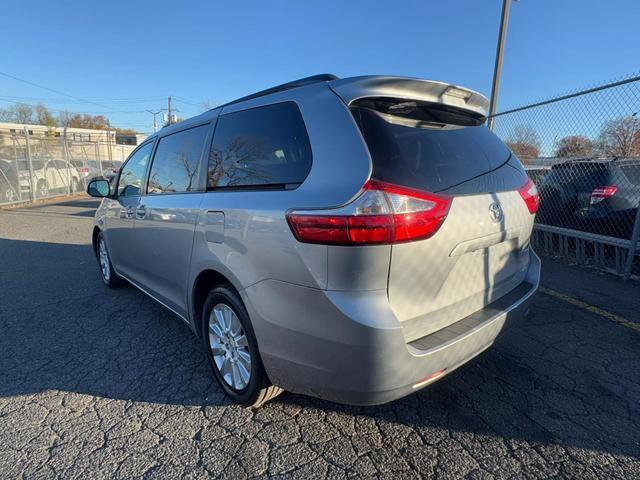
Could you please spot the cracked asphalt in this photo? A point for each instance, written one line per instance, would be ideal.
(96, 383)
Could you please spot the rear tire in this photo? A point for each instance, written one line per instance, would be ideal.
(232, 349)
(109, 277)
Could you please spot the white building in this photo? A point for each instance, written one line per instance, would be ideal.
(82, 143)
(73, 134)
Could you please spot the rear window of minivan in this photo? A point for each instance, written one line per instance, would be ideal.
(433, 153)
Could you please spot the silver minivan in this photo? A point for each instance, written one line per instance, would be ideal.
(351, 239)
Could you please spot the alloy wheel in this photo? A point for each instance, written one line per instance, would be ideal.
(229, 347)
(105, 268)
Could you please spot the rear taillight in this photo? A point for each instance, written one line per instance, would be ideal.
(382, 214)
(600, 193)
(529, 194)
(84, 169)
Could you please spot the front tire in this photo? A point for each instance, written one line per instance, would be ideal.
(109, 277)
(232, 349)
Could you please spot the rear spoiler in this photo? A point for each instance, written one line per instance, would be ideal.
(355, 88)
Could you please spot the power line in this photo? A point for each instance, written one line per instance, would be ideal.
(84, 100)
(114, 100)
(52, 90)
(188, 102)
(86, 111)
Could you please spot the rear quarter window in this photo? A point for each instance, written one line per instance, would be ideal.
(263, 147)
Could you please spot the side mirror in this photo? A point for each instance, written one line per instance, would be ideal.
(98, 187)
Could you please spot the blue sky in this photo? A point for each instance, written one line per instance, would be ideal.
(128, 56)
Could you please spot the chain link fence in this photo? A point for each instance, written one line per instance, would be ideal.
(34, 167)
(583, 152)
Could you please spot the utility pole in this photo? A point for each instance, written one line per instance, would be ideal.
(155, 125)
(497, 71)
(169, 110)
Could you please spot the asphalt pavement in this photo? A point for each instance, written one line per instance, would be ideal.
(99, 383)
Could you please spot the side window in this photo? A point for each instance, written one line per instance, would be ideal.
(132, 174)
(176, 163)
(260, 147)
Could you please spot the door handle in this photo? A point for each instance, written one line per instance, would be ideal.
(141, 211)
(126, 213)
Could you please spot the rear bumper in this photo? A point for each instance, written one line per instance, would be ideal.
(348, 347)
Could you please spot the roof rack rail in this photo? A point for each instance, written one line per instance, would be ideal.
(323, 77)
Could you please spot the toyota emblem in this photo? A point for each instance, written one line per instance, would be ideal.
(495, 211)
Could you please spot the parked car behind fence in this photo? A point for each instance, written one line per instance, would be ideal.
(61, 165)
(89, 169)
(43, 177)
(598, 196)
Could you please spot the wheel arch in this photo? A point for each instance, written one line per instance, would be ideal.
(94, 240)
(206, 281)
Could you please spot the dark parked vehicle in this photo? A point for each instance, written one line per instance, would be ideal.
(596, 196)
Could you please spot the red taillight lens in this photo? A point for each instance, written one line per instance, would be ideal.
(84, 169)
(370, 228)
(319, 228)
(529, 194)
(600, 193)
(383, 214)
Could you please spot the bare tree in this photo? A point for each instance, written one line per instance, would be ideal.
(574, 146)
(43, 116)
(19, 113)
(620, 137)
(6, 115)
(64, 118)
(24, 113)
(524, 142)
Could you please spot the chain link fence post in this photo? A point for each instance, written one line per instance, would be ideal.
(65, 154)
(16, 165)
(32, 190)
(99, 160)
(634, 242)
